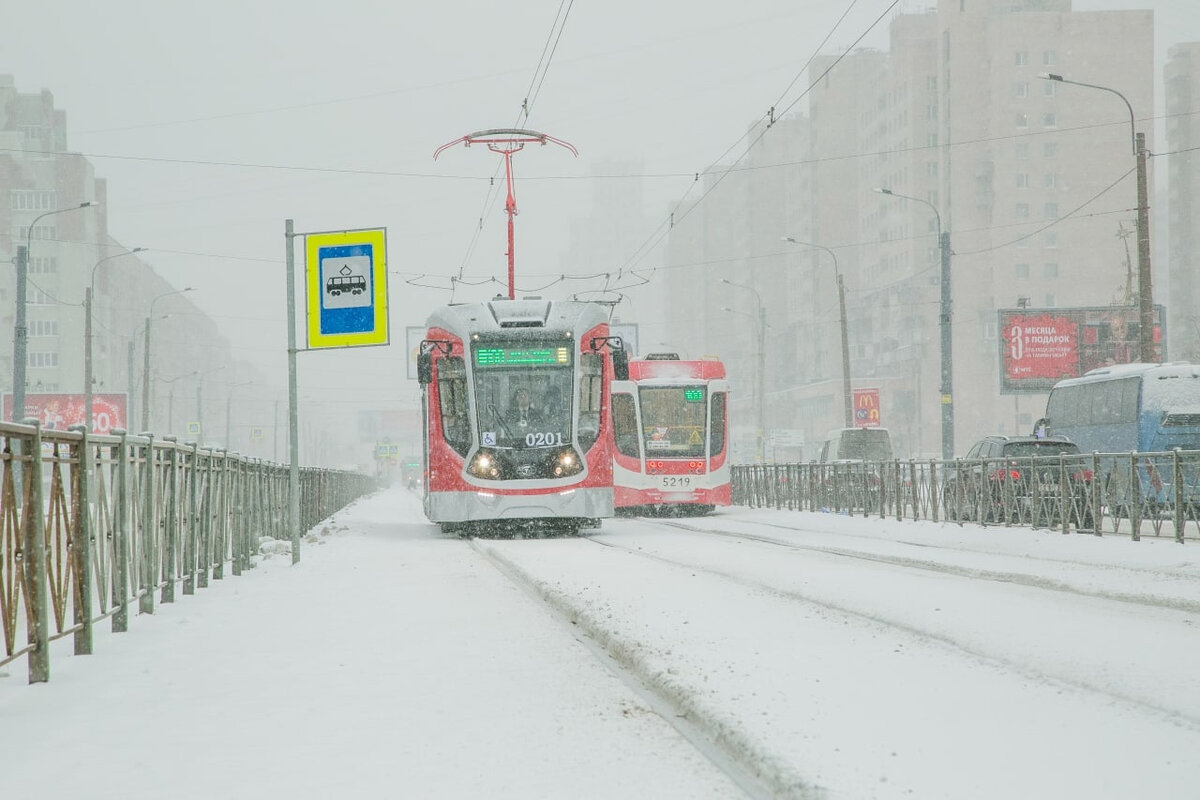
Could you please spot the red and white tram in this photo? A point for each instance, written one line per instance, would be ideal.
(671, 430)
(517, 434)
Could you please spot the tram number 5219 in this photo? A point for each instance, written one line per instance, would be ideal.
(676, 481)
(543, 439)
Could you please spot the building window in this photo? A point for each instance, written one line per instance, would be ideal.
(43, 265)
(43, 360)
(1021, 150)
(1022, 180)
(1022, 210)
(931, 140)
(1048, 89)
(1022, 271)
(1050, 211)
(43, 327)
(1049, 58)
(1022, 58)
(1051, 301)
(1051, 240)
(931, 112)
(1022, 90)
(1049, 120)
(1050, 181)
(1050, 149)
(1022, 120)
(931, 82)
(931, 169)
(33, 200)
(1050, 270)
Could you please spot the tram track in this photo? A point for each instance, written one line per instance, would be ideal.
(1020, 578)
(761, 774)
(923, 633)
(672, 676)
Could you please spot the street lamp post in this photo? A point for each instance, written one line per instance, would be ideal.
(947, 387)
(87, 336)
(1146, 350)
(847, 406)
(20, 329)
(229, 414)
(146, 357)
(762, 358)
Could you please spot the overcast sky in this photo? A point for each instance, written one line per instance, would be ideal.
(215, 122)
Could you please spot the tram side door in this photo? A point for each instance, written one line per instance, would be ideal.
(717, 439)
(627, 422)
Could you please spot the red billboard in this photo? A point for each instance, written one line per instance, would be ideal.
(60, 411)
(1039, 347)
(866, 408)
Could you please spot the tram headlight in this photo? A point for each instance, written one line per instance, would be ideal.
(484, 465)
(567, 462)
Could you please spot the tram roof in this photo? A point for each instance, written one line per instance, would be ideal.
(651, 369)
(516, 316)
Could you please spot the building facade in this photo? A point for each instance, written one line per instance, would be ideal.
(1032, 180)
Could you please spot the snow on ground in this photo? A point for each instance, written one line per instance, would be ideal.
(397, 662)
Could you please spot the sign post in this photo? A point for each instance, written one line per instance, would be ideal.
(346, 287)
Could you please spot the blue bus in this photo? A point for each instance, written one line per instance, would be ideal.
(1128, 408)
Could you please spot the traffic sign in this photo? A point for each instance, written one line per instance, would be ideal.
(193, 428)
(256, 432)
(346, 276)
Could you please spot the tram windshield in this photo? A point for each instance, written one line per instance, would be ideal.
(523, 393)
(673, 420)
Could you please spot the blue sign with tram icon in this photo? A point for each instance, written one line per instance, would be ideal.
(347, 288)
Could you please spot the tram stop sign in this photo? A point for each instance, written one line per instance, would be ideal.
(346, 278)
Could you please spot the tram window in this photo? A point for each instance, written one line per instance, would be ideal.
(716, 433)
(452, 394)
(625, 425)
(591, 375)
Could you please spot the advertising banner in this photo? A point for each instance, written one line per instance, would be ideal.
(60, 411)
(866, 408)
(1039, 347)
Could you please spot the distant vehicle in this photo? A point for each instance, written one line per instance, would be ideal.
(855, 457)
(1144, 408)
(857, 444)
(1020, 479)
(671, 432)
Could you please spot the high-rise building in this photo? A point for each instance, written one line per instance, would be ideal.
(1033, 180)
(1182, 89)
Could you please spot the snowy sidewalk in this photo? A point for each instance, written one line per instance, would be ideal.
(391, 662)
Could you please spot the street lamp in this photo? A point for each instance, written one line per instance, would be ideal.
(21, 330)
(1145, 287)
(87, 336)
(146, 355)
(947, 388)
(847, 406)
(762, 354)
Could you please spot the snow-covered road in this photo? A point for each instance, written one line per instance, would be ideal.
(761, 652)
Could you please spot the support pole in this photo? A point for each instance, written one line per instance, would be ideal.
(947, 354)
(1148, 352)
(293, 399)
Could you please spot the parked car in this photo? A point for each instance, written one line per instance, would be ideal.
(1022, 480)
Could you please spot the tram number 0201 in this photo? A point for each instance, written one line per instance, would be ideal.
(543, 439)
(676, 481)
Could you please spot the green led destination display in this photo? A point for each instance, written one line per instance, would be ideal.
(693, 395)
(523, 357)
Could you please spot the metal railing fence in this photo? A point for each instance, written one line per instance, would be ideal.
(93, 524)
(1133, 494)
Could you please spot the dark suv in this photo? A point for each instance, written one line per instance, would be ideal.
(1023, 480)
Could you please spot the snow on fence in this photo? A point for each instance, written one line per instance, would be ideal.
(97, 523)
(1134, 494)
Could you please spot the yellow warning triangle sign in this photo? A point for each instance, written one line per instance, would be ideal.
(695, 437)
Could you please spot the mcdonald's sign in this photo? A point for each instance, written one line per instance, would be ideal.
(866, 408)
